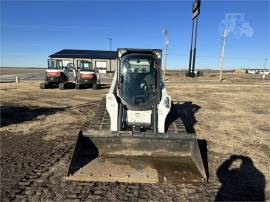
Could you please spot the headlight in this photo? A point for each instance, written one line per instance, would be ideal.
(110, 97)
(121, 51)
(157, 53)
(166, 102)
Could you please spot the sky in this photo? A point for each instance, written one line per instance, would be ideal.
(32, 30)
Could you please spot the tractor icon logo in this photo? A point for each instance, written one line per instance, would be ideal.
(235, 23)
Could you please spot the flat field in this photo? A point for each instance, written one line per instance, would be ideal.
(39, 130)
(10, 70)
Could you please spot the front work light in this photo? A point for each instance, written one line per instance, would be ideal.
(166, 102)
(157, 53)
(121, 52)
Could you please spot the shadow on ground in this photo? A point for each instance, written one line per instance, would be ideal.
(186, 112)
(13, 115)
(85, 151)
(241, 180)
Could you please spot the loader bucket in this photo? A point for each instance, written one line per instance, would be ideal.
(106, 157)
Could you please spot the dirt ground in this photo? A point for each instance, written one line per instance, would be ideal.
(39, 130)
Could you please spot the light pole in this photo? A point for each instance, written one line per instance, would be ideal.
(222, 54)
(110, 42)
(265, 60)
(192, 55)
(166, 43)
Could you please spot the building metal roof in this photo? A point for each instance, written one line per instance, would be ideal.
(93, 54)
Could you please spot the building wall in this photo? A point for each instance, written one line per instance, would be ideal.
(111, 65)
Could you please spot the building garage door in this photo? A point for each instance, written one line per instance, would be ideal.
(101, 66)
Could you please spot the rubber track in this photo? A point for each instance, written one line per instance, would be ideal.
(101, 120)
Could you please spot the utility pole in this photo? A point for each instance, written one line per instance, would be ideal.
(166, 43)
(222, 54)
(110, 42)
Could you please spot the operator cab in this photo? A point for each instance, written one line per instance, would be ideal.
(86, 70)
(86, 66)
(55, 64)
(138, 76)
(138, 88)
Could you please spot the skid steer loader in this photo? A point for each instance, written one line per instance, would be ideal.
(136, 139)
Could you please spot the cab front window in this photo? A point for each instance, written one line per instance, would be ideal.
(55, 64)
(86, 66)
(138, 78)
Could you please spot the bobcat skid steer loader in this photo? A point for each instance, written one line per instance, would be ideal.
(133, 137)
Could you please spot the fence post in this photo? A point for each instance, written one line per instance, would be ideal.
(17, 79)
